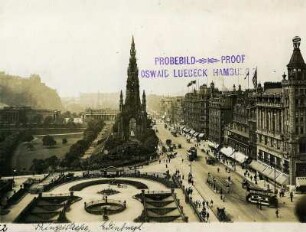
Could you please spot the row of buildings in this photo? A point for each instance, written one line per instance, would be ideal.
(266, 125)
(22, 115)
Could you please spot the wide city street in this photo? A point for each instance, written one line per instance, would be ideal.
(235, 203)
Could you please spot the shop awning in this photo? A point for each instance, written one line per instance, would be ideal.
(228, 151)
(195, 134)
(283, 179)
(300, 181)
(201, 135)
(186, 130)
(240, 157)
(271, 173)
(258, 166)
(212, 144)
(192, 132)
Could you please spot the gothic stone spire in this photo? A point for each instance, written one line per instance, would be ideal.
(132, 85)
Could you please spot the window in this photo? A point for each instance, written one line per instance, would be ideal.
(302, 147)
(302, 130)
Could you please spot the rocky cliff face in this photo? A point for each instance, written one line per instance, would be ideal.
(18, 91)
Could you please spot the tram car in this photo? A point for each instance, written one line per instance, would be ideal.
(261, 197)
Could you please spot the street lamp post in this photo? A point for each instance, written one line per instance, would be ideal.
(14, 172)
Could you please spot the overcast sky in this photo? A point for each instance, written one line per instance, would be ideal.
(83, 45)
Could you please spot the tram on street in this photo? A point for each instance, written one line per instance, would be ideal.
(261, 197)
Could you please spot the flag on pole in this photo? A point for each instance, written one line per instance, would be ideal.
(254, 79)
(247, 75)
(189, 84)
(194, 82)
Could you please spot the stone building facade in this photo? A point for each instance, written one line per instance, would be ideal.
(241, 132)
(294, 114)
(26, 115)
(220, 114)
(281, 123)
(196, 108)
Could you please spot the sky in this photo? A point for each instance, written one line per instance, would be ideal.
(83, 46)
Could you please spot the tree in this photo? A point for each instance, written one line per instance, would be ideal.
(48, 120)
(52, 161)
(64, 141)
(48, 141)
(30, 146)
(37, 119)
(39, 165)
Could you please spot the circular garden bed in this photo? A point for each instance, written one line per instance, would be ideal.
(99, 207)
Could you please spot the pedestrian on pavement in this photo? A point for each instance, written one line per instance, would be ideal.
(182, 160)
(211, 203)
(207, 216)
(291, 196)
(257, 204)
(218, 169)
(277, 213)
(251, 178)
(166, 166)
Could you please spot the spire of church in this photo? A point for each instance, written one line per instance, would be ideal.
(121, 101)
(144, 101)
(132, 85)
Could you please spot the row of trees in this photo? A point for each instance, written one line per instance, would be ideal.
(8, 146)
(41, 165)
(72, 158)
(122, 152)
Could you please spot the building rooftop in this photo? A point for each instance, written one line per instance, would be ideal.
(273, 91)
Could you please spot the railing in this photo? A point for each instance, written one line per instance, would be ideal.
(97, 202)
(56, 195)
(174, 177)
(157, 192)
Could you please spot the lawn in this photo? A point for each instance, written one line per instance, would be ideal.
(23, 155)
